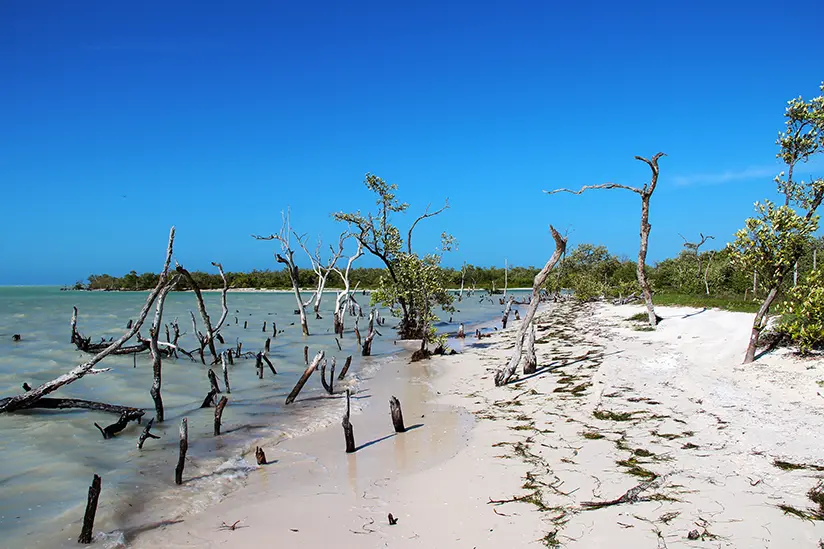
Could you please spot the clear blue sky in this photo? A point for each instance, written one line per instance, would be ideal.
(119, 119)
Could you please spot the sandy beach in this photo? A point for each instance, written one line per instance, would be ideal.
(623, 438)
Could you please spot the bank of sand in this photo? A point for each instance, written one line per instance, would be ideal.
(612, 408)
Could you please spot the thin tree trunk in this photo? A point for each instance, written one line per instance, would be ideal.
(348, 431)
(157, 361)
(91, 511)
(642, 258)
(758, 325)
(184, 447)
(505, 373)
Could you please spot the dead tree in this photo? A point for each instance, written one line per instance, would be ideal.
(348, 431)
(508, 310)
(505, 373)
(219, 413)
(184, 447)
(397, 415)
(124, 419)
(328, 385)
(645, 193)
(91, 511)
(366, 350)
(323, 268)
(225, 372)
(531, 360)
(345, 297)
(287, 258)
(157, 360)
(146, 434)
(463, 275)
(694, 248)
(345, 367)
(207, 340)
(304, 378)
(29, 398)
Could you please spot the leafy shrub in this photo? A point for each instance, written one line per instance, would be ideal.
(803, 311)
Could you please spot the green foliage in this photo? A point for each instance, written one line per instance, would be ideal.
(771, 242)
(416, 284)
(803, 311)
(592, 272)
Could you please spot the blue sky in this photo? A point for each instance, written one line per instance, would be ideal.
(120, 119)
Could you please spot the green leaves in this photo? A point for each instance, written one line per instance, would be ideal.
(771, 242)
(803, 311)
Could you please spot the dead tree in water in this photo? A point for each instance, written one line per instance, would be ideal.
(184, 447)
(397, 415)
(91, 511)
(219, 413)
(508, 310)
(287, 258)
(207, 340)
(321, 268)
(370, 335)
(645, 193)
(345, 367)
(157, 361)
(345, 297)
(146, 434)
(85, 343)
(29, 398)
(505, 373)
(304, 378)
(348, 431)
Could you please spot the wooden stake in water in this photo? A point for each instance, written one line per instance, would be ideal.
(91, 510)
(348, 431)
(184, 447)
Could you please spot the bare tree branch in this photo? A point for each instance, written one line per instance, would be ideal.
(426, 214)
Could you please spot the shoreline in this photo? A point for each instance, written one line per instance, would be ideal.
(669, 415)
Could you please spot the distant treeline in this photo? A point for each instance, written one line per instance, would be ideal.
(367, 278)
(588, 270)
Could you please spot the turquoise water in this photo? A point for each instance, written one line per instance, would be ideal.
(49, 457)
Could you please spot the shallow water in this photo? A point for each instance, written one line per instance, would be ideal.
(49, 457)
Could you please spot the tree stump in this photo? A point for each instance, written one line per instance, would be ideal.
(260, 456)
(397, 415)
(91, 510)
(348, 431)
(219, 413)
(184, 447)
(345, 367)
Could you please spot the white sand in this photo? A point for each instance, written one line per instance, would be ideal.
(713, 427)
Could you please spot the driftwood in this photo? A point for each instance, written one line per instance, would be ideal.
(530, 360)
(146, 434)
(348, 431)
(269, 363)
(124, 419)
(630, 496)
(260, 456)
(213, 380)
(219, 413)
(304, 378)
(184, 447)
(91, 511)
(48, 403)
(28, 398)
(505, 373)
(345, 367)
(85, 343)
(397, 415)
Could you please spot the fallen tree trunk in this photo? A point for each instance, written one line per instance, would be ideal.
(304, 378)
(48, 403)
(124, 419)
(505, 373)
(531, 360)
